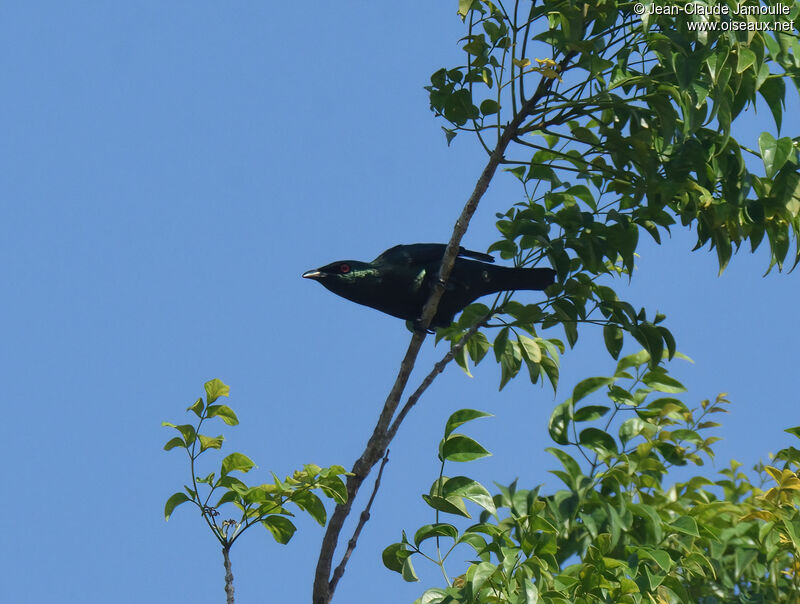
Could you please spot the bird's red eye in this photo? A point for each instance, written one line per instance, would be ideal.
(344, 269)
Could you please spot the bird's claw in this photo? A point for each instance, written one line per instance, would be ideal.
(418, 327)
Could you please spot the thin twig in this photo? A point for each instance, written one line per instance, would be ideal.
(437, 369)
(351, 545)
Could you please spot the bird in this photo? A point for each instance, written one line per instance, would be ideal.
(400, 280)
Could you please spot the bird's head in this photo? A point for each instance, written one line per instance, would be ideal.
(347, 278)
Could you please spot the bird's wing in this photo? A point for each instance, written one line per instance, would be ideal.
(476, 255)
(425, 253)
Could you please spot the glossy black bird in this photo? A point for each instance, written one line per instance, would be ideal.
(399, 281)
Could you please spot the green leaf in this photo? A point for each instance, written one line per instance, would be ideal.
(408, 573)
(464, 6)
(174, 501)
(458, 107)
(570, 465)
(792, 527)
(784, 149)
(461, 360)
(589, 385)
(590, 413)
(530, 349)
(660, 557)
(472, 315)
(654, 580)
(744, 557)
(394, 556)
(233, 483)
(558, 425)
(227, 497)
(177, 441)
(449, 134)
(683, 434)
(309, 502)
(633, 427)
(598, 441)
(478, 346)
(794, 431)
(236, 461)
(335, 488)
(476, 46)
(483, 571)
(650, 516)
(669, 340)
(310, 471)
(746, 58)
(773, 90)
(665, 407)
(550, 369)
(510, 362)
(208, 479)
(489, 107)
(651, 339)
(475, 541)
(613, 336)
(214, 389)
(632, 360)
(620, 395)
(462, 416)
(686, 525)
(259, 494)
(768, 146)
(207, 442)
(197, 407)
(224, 412)
(500, 343)
(281, 528)
(186, 430)
(453, 506)
(463, 486)
(458, 447)
(430, 531)
(519, 172)
(661, 382)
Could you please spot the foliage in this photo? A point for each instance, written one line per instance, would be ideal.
(263, 504)
(635, 134)
(618, 532)
(615, 124)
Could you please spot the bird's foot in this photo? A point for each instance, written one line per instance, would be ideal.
(416, 325)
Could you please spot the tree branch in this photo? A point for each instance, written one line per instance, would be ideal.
(351, 545)
(228, 574)
(376, 446)
(437, 369)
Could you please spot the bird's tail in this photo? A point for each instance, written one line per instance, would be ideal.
(505, 278)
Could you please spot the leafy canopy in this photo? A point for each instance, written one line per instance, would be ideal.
(632, 132)
(618, 124)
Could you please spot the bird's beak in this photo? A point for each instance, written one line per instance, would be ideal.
(315, 274)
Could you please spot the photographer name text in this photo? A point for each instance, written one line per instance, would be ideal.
(716, 9)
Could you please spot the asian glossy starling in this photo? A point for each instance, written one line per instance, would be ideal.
(399, 281)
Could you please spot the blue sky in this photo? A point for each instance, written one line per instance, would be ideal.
(168, 172)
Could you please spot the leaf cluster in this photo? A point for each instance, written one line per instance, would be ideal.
(643, 115)
(636, 135)
(264, 504)
(617, 532)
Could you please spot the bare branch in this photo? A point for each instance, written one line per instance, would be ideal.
(228, 574)
(351, 545)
